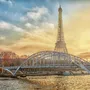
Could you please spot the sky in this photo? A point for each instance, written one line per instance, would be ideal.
(29, 26)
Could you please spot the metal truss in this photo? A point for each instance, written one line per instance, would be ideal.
(53, 59)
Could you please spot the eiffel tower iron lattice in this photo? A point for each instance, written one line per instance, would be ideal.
(60, 45)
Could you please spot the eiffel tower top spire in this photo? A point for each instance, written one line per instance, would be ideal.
(60, 45)
(59, 8)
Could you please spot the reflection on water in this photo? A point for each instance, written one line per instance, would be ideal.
(47, 83)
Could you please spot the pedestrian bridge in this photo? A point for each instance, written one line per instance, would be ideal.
(49, 62)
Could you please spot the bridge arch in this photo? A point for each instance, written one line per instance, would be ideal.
(53, 58)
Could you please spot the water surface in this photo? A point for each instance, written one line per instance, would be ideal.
(47, 83)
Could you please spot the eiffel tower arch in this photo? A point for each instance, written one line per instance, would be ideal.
(60, 45)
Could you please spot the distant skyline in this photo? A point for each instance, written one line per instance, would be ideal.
(29, 26)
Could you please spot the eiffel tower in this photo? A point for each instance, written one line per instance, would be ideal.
(60, 45)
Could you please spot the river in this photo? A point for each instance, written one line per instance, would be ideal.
(46, 83)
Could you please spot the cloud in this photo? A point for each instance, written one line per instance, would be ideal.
(47, 25)
(2, 37)
(9, 2)
(10, 33)
(37, 19)
(35, 13)
(30, 26)
(7, 26)
(44, 26)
